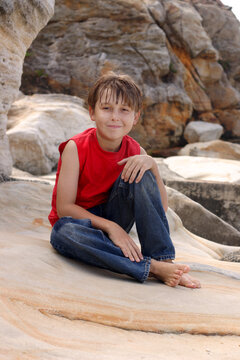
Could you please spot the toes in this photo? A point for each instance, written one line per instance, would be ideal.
(184, 268)
(189, 282)
(179, 272)
(172, 283)
(198, 284)
(190, 285)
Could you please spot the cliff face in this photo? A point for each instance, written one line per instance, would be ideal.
(184, 55)
(20, 22)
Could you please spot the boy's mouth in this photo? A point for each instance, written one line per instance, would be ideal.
(114, 126)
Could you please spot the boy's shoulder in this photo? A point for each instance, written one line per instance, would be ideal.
(129, 140)
(132, 147)
(80, 138)
(88, 133)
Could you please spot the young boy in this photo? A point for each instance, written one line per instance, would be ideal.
(105, 182)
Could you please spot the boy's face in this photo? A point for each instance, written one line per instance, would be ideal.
(114, 119)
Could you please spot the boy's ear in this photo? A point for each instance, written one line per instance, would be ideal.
(136, 117)
(91, 113)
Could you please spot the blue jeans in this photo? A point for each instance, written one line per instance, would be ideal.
(127, 203)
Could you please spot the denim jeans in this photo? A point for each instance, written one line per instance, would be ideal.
(127, 203)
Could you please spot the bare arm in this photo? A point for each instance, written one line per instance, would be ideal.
(135, 168)
(66, 197)
(160, 183)
(67, 189)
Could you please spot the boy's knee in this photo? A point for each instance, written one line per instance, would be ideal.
(148, 179)
(69, 228)
(68, 221)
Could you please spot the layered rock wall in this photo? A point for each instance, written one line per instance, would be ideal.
(184, 55)
(20, 22)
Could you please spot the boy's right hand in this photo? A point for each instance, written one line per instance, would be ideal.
(121, 239)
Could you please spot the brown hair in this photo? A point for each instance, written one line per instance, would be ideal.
(121, 86)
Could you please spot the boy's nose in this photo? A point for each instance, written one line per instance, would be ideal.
(115, 115)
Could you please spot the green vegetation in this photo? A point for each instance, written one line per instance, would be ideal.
(172, 68)
(41, 73)
(28, 53)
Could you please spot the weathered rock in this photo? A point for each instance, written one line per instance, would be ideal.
(38, 124)
(199, 131)
(223, 28)
(185, 23)
(202, 222)
(223, 95)
(163, 46)
(212, 149)
(25, 244)
(207, 169)
(230, 119)
(144, 55)
(208, 117)
(208, 71)
(192, 82)
(234, 256)
(20, 23)
(220, 190)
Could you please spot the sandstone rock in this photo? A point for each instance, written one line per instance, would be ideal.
(185, 23)
(223, 28)
(25, 244)
(202, 222)
(165, 46)
(208, 117)
(192, 82)
(145, 55)
(207, 169)
(208, 71)
(223, 95)
(156, 10)
(234, 256)
(213, 149)
(199, 131)
(219, 192)
(38, 124)
(230, 119)
(19, 25)
(52, 307)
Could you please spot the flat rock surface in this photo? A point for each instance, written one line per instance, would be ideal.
(202, 168)
(52, 307)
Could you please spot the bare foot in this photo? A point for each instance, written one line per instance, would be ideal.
(188, 281)
(168, 272)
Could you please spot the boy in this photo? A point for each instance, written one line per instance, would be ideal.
(105, 182)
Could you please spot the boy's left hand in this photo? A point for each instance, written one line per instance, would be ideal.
(135, 167)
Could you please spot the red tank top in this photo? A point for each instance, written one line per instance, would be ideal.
(98, 169)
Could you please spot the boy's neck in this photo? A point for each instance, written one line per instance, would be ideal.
(109, 145)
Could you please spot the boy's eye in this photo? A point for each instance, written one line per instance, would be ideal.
(125, 109)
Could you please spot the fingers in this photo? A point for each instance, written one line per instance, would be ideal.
(130, 173)
(131, 170)
(131, 252)
(121, 239)
(123, 161)
(135, 167)
(140, 175)
(137, 251)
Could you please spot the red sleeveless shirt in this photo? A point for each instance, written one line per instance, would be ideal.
(98, 169)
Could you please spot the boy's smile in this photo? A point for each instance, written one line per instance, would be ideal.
(114, 119)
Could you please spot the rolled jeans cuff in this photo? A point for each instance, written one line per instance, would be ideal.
(146, 269)
(165, 257)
